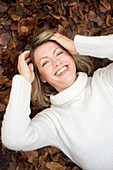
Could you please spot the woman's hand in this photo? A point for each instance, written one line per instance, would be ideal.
(65, 42)
(23, 67)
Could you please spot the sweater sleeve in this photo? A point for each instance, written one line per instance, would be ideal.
(96, 46)
(19, 132)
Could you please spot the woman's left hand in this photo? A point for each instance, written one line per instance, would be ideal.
(66, 42)
(25, 69)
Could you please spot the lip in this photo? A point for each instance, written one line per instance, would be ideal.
(65, 71)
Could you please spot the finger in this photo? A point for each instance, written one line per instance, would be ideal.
(31, 67)
(23, 56)
(61, 39)
(27, 60)
(55, 37)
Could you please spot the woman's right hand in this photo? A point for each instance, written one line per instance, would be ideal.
(23, 67)
(66, 42)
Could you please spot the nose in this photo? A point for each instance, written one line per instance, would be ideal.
(56, 62)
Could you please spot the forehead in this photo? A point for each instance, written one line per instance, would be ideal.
(48, 44)
(46, 49)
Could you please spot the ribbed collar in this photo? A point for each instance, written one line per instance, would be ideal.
(71, 92)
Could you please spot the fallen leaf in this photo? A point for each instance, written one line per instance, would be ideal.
(3, 7)
(108, 20)
(15, 17)
(1, 70)
(31, 155)
(3, 79)
(2, 107)
(24, 29)
(53, 166)
(25, 26)
(106, 4)
(102, 9)
(53, 150)
(5, 38)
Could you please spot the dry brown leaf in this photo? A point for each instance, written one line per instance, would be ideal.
(3, 7)
(72, 4)
(24, 29)
(106, 4)
(1, 27)
(5, 21)
(3, 79)
(54, 16)
(111, 20)
(5, 38)
(11, 9)
(92, 16)
(15, 17)
(53, 166)
(76, 168)
(31, 155)
(70, 12)
(25, 26)
(108, 20)
(2, 107)
(53, 150)
(100, 21)
(1, 70)
(4, 94)
(82, 29)
(102, 9)
(6, 100)
(81, 13)
(14, 26)
(50, 2)
(42, 159)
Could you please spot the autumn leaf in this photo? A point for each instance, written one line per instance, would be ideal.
(3, 7)
(2, 107)
(31, 155)
(54, 166)
(106, 4)
(5, 38)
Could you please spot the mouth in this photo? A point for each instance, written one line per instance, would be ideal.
(62, 71)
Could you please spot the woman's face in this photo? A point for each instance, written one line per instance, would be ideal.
(55, 65)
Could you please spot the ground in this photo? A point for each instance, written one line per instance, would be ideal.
(18, 20)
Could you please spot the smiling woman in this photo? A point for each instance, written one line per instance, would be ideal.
(55, 65)
(51, 53)
(77, 109)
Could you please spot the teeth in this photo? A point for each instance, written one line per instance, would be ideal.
(61, 70)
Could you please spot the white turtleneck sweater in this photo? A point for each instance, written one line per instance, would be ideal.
(80, 119)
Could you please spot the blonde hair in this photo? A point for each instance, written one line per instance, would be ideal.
(41, 92)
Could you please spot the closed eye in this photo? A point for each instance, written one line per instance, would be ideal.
(45, 63)
(60, 53)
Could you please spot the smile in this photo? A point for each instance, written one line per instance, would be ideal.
(62, 70)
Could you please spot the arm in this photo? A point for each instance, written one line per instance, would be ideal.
(19, 132)
(96, 46)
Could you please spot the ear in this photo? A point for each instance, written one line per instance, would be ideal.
(42, 79)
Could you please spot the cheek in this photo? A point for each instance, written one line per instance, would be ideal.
(46, 73)
(67, 57)
(70, 59)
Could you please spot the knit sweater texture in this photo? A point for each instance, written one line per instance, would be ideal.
(80, 119)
